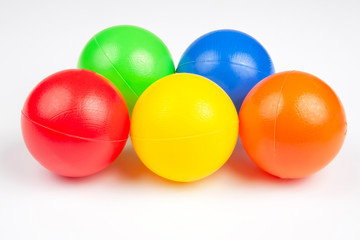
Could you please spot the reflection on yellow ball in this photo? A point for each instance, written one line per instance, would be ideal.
(184, 127)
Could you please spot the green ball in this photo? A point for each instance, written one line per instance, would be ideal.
(130, 57)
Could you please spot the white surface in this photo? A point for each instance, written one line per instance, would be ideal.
(126, 201)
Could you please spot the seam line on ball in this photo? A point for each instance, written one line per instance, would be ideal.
(239, 64)
(277, 109)
(180, 138)
(116, 70)
(70, 135)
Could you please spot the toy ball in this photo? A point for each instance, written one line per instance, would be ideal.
(130, 57)
(232, 59)
(292, 124)
(184, 127)
(75, 123)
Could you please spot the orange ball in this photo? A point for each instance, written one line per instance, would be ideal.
(292, 124)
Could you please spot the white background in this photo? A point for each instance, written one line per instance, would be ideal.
(126, 201)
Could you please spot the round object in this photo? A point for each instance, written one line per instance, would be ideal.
(75, 122)
(184, 127)
(130, 57)
(232, 59)
(292, 124)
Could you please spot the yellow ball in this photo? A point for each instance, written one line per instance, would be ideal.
(184, 127)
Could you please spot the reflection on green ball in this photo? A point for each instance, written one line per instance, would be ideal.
(130, 57)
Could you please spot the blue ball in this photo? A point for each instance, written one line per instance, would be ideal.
(232, 59)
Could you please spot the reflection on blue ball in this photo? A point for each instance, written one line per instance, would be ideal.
(232, 59)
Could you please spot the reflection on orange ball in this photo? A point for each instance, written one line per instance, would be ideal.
(292, 124)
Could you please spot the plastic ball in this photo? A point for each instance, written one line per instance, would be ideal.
(75, 123)
(292, 124)
(184, 127)
(130, 57)
(232, 59)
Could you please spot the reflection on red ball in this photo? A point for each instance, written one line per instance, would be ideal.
(75, 123)
(292, 124)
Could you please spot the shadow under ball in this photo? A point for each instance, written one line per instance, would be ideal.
(232, 59)
(292, 124)
(130, 57)
(75, 123)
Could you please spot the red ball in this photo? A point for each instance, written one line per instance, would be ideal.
(75, 122)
